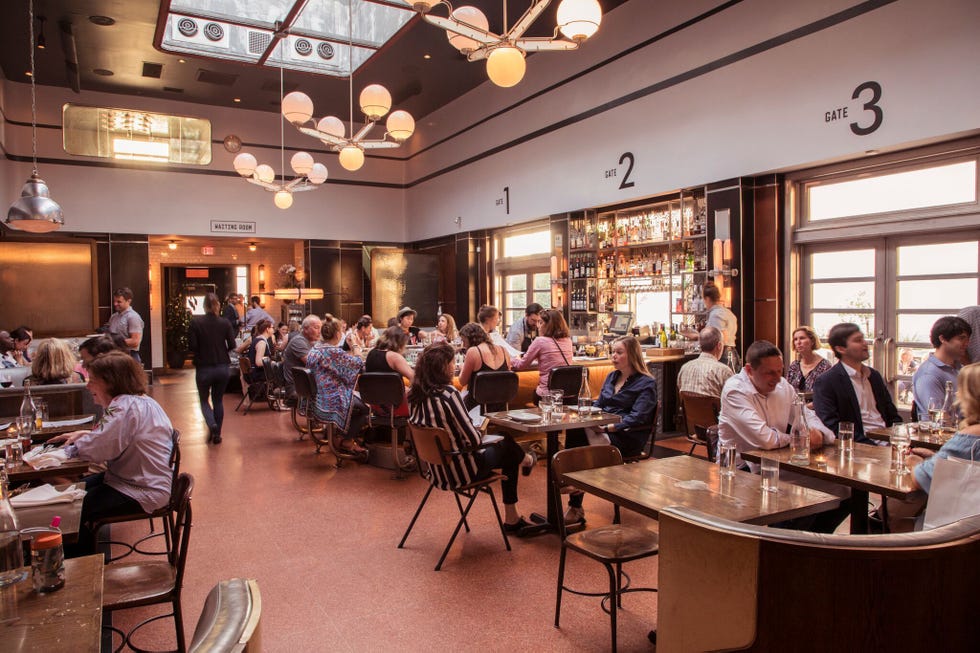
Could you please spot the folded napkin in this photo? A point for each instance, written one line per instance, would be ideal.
(41, 457)
(44, 495)
(67, 422)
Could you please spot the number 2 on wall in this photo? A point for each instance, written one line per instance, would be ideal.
(626, 183)
(871, 105)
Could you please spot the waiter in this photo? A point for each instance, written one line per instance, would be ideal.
(525, 330)
(719, 317)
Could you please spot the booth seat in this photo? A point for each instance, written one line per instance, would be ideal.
(64, 399)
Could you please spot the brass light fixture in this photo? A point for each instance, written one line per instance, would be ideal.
(35, 211)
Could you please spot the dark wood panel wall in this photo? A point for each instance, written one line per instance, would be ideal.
(768, 291)
(730, 194)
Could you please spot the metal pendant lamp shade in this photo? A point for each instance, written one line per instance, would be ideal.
(35, 211)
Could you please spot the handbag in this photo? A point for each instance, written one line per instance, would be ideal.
(954, 493)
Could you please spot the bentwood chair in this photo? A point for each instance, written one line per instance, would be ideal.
(647, 449)
(699, 410)
(612, 545)
(229, 622)
(568, 379)
(250, 389)
(321, 432)
(433, 446)
(150, 582)
(494, 390)
(384, 393)
(275, 383)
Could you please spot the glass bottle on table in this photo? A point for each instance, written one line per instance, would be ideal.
(947, 418)
(799, 435)
(584, 394)
(28, 411)
(12, 568)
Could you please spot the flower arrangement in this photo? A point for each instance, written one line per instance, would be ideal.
(290, 276)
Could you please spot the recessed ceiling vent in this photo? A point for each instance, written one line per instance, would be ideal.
(188, 29)
(258, 41)
(153, 70)
(218, 79)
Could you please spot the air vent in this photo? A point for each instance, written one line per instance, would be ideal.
(214, 32)
(218, 79)
(153, 70)
(187, 29)
(325, 50)
(303, 47)
(258, 41)
(171, 89)
(272, 86)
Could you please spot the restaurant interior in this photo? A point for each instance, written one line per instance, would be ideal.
(817, 163)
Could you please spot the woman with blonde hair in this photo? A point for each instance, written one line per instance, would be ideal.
(809, 365)
(964, 443)
(445, 329)
(54, 363)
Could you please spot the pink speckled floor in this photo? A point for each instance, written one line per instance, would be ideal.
(322, 544)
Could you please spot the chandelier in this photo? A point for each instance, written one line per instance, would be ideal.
(35, 211)
(375, 103)
(468, 31)
(309, 174)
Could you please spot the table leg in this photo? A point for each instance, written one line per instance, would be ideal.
(859, 511)
(541, 523)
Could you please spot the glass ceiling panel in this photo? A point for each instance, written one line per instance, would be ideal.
(241, 30)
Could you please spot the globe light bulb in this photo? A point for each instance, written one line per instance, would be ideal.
(297, 107)
(351, 157)
(506, 66)
(283, 199)
(579, 19)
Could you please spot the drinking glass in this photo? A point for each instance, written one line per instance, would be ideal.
(557, 403)
(5, 381)
(14, 454)
(936, 412)
(545, 404)
(770, 474)
(900, 450)
(726, 459)
(845, 433)
(41, 408)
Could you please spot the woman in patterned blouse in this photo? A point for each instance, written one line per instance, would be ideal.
(808, 364)
(336, 373)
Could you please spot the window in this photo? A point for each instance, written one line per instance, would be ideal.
(522, 267)
(241, 280)
(526, 244)
(523, 288)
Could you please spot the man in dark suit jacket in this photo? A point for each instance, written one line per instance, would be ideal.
(834, 397)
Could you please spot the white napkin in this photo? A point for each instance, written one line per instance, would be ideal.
(41, 458)
(44, 495)
(67, 422)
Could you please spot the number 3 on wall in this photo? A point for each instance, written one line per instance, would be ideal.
(626, 183)
(871, 105)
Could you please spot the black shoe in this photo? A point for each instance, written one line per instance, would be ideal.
(516, 527)
(526, 468)
(212, 433)
(217, 438)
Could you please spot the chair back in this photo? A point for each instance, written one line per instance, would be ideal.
(384, 389)
(430, 443)
(699, 410)
(229, 622)
(568, 379)
(245, 366)
(577, 459)
(278, 374)
(494, 390)
(304, 382)
(174, 459)
(267, 371)
(182, 492)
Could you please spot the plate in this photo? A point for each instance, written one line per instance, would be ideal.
(592, 410)
(523, 416)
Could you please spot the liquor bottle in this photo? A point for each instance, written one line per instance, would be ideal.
(799, 436)
(948, 418)
(584, 393)
(663, 337)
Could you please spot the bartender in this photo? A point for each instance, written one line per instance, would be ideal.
(722, 319)
(525, 330)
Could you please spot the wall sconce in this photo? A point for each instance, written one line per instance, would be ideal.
(261, 278)
(722, 253)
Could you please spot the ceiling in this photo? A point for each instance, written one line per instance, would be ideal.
(418, 85)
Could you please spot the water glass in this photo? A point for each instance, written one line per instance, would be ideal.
(41, 410)
(545, 404)
(14, 454)
(726, 459)
(845, 434)
(770, 474)
(558, 403)
(900, 450)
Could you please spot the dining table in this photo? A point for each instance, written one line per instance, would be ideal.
(648, 486)
(531, 420)
(68, 620)
(924, 438)
(71, 469)
(70, 513)
(867, 470)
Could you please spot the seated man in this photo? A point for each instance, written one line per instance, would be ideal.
(950, 336)
(851, 391)
(706, 375)
(298, 349)
(756, 413)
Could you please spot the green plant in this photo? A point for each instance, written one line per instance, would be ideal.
(177, 324)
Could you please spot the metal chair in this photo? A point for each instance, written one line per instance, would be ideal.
(611, 545)
(275, 384)
(322, 433)
(229, 622)
(699, 410)
(250, 389)
(386, 390)
(568, 379)
(151, 582)
(647, 450)
(494, 390)
(434, 447)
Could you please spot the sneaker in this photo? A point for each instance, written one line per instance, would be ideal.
(530, 460)
(574, 515)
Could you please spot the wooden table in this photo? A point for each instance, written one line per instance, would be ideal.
(648, 486)
(868, 470)
(552, 428)
(70, 513)
(923, 439)
(49, 432)
(68, 620)
(72, 468)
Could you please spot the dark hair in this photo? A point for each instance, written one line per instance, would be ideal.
(99, 345)
(261, 326)
(6, 343)
(121, 374)
(392, 321)
(432, 372)
(231, 296)
(710, 291)
(486, 312)
(364, 321)
(840, 334)
(124, 292)
(760, 349)
(21, 333)
(212, 304)
(554, 324)
(329, 328)
(392, 339)
(474, 335)
(947, 327)
(533, 308)
(255, 300)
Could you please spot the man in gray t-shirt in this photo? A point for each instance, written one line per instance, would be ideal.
(298, 347)
(126, 322)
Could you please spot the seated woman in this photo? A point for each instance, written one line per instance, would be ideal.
(445, 330)
(361, 336)
(134, 439)
(406, 320)
(336, 374)
(435, 402)
(551, 349)
(54, 363)
(95, 346)
(629, 391)
(481, 356)
(808, 364)
(281, 337)
(22, 337)
(387, 357)
(260, 348)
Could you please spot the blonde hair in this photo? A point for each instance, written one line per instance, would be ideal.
(634, 354)
(451, 332)
(53, 361)
(810, 333)
(968, 395)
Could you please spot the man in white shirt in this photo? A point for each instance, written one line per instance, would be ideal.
(705, 375)
(489, 318)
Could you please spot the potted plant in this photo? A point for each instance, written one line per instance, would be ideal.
(177, 324)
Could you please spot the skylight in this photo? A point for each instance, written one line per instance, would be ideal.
(317, 40)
